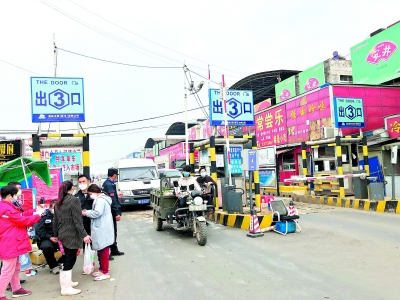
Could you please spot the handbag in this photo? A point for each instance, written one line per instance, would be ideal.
(88, 260)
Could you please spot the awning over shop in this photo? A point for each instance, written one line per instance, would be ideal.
(280, 151)
(396, 142)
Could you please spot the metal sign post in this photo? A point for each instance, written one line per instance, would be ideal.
(250, 163)
(394, 162)
(228, 150)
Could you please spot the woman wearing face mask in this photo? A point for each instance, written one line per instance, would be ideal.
(14, 241)
(102, 229)
(206, 182)
(69, 230)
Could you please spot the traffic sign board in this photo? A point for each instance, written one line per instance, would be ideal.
(349, 112)
(250, 160)
(57, 99)
(239, 105)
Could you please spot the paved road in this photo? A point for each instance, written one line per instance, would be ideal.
(341, 254)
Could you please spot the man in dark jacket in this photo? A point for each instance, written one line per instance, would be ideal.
(110, 188)
(48, 243)
(86, 201)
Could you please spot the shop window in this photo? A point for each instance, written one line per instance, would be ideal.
(288, 162)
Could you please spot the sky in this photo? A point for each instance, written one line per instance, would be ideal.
(236, 38)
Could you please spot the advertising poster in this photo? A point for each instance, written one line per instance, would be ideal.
(312, 78)
(376, 60)
(267, 177)
(267, 156)
(48, 192)
(271, 127)
(285, 90)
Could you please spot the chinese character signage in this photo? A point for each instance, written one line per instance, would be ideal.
(349, 112)
(392, 125)
(176, 151)
(271, 127)
(56, 99)
(285, 90)
(236, 160)
(239, 106)
(376, 60)
(314, 108)
(71, 162)
(46, 152)
(312, 78)
(10, 150)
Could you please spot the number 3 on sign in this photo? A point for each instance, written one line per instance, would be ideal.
(233, 105)
(60, 98)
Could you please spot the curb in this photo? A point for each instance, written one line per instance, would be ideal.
(388, 206)
(240, 220)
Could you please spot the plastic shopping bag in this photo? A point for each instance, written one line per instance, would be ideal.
(88, 260)
(60, 246)
(25, 262)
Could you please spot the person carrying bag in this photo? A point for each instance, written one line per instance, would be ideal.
(102, 229)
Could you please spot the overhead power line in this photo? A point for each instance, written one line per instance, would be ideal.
(132, 129)
(118, 63)
(142, 37)
(20, 67)
(140, 120)
(118, 39)
(108, 35)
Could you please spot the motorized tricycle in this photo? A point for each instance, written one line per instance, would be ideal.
(191, 217)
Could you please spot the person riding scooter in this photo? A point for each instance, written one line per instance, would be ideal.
(186, 184)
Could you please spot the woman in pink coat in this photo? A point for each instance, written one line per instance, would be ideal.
(14, 240)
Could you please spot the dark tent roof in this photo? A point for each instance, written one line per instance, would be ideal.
(151, 142)
(178, 128)
(263, 84)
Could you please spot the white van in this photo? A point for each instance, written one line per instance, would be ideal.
(136, 177)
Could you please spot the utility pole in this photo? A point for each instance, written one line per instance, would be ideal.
(186, 117)
(55, 70)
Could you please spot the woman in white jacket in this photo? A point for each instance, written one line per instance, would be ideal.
(102, 229)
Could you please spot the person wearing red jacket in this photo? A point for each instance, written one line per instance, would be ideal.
(14, 240)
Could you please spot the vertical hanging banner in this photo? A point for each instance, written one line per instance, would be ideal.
(57, 99)
(48, 192)
(26, 199)
(236, 160)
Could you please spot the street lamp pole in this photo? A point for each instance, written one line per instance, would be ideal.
(192, 91)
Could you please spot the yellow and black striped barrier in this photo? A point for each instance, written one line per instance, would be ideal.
(241, 221)
(85, 141)
(389, 206)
